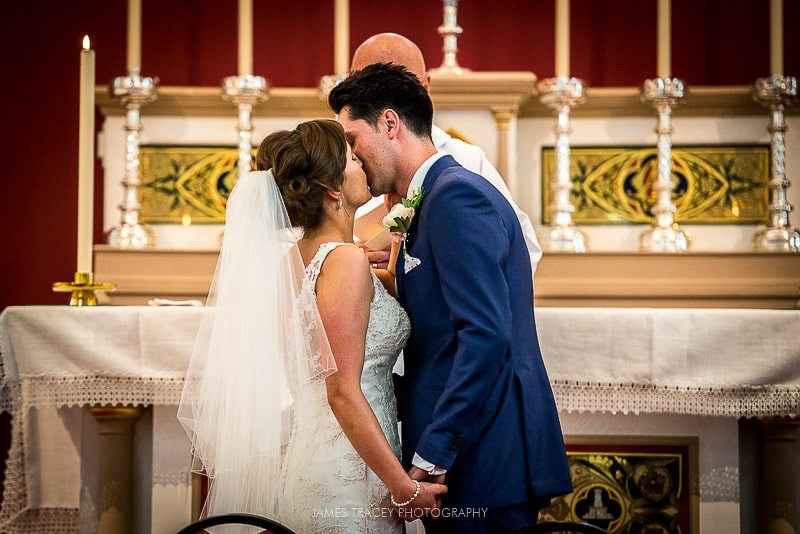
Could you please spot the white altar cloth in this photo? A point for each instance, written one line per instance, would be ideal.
(716, 362)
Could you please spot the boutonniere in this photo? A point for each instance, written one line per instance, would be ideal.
(399, 218)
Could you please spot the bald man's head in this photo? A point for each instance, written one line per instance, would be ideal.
(391, 48)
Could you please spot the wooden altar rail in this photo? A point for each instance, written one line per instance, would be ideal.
(618, 279)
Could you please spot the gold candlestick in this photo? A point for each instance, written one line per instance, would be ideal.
(82, 289)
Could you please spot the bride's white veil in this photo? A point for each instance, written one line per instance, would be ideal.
(259, 347)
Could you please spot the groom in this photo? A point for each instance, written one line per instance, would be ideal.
(475, 401)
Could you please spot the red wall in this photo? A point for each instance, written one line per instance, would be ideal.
(193, 42)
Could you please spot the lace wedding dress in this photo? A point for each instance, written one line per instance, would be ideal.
(327, 487)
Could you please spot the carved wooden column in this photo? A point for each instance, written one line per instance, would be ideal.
(114, 485)
(779, 477)
(500, 93)
(502, 118)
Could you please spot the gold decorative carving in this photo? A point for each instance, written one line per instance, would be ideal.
(712, 185)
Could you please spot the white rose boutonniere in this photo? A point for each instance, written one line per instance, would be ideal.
(399, 218)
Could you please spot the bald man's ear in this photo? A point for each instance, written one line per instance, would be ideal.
(426, 82)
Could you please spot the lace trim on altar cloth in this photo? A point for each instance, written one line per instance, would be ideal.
(43, 521)
(571, 396)
(15, 516)
(738, 401)
(88, 390)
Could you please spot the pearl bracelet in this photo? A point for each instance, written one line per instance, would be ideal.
(409, 501)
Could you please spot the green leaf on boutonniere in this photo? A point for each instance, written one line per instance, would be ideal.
(402, 224)
(398, 220)
(416, 198)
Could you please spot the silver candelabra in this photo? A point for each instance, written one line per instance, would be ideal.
(562, 94)
(245, 92)
(133, 91)
(450, 30)
(777, 92)
(327, 83)
(664, 235)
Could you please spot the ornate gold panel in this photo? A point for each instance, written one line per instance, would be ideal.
(712, 184)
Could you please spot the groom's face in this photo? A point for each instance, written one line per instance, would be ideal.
(372, 146)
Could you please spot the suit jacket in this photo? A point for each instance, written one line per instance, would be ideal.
(475, 398)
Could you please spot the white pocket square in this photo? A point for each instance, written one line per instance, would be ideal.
(410, 262)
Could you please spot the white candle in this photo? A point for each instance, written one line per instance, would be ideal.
(562, 38)
(134, 36)
(245, 37)
(664, 47)
(341, 37)
(776, 36)
(86, 160)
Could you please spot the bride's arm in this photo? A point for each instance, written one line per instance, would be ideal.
(344, 293)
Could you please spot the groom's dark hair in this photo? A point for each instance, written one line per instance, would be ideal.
(375, 88)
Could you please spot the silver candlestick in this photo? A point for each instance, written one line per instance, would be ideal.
(562, 94)
(450, 30)
(777, 92)
(245, 92)
(134, 91)
(327, 83)
(664, 235)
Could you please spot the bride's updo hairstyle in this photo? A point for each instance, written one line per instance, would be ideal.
(306, 162)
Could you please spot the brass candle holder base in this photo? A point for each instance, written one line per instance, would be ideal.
(82, 289)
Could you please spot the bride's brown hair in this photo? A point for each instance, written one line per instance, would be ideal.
(306, 162)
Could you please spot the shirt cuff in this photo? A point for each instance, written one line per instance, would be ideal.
(426, 466)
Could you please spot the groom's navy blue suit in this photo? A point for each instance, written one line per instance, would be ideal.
(475, 398)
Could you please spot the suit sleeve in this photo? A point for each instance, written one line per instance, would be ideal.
(469, 244)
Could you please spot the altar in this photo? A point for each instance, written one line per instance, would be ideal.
(636, 372)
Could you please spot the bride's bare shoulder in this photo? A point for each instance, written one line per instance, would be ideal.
(347, 259)
(346, 266)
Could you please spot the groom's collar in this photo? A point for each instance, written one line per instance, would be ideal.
(422, 172)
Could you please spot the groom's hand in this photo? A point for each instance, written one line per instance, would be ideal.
(420, 474)
(435, 480)
(378, 259)
(417, 474)
(427, 503)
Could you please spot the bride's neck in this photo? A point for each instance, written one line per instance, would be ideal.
(338, 227)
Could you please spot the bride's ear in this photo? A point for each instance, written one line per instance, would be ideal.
(334, 195)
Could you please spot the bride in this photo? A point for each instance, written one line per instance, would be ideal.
(288, 399)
